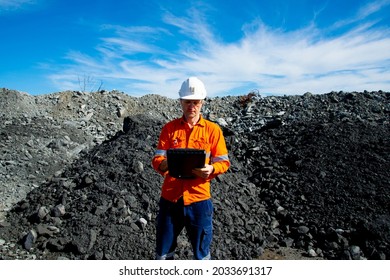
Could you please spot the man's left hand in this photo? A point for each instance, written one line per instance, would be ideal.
(204, 172)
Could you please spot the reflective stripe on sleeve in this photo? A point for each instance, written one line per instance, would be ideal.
(220, 158)
(160, 153)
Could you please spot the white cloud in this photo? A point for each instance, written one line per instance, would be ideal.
(6, 5)
(371, 8)
(265, 59)
(364, 14)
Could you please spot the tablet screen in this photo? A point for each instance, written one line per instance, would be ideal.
(182, 161)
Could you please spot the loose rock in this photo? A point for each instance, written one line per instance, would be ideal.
(308, 172)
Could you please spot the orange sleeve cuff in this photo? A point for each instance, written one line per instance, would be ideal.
(156, 161)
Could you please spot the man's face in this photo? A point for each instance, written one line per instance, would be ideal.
(191, 108)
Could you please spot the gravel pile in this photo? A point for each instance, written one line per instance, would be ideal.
(308, 172)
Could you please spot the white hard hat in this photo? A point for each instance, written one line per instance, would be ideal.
(192, 89)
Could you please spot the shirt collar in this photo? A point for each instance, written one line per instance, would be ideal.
(201, 121)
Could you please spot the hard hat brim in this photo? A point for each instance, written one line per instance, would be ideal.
(192, 97)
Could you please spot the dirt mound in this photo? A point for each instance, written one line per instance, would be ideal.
(308, 172)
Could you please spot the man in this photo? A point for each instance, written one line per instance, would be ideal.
(186, 203)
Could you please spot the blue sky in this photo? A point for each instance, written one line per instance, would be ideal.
(149, 47)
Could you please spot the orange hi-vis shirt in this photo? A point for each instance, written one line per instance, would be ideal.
(205, 135)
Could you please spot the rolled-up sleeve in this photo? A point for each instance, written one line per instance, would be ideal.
(219, 153)
(161, 152)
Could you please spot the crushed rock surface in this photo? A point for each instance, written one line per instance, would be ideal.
(309, 176)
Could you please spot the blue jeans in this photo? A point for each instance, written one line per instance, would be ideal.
(173, 217)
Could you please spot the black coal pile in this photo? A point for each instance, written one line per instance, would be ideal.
(309, 172)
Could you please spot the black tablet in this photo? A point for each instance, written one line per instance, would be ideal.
(182, 161)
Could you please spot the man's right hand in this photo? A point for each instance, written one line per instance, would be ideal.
(163, 166)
